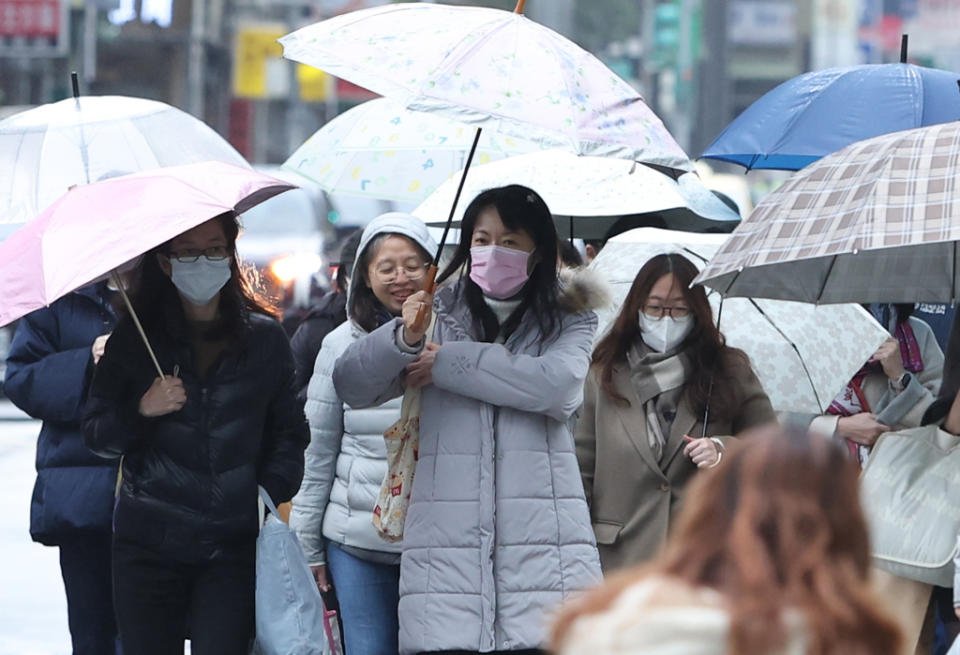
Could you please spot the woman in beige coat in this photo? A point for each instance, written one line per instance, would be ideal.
(661, 372)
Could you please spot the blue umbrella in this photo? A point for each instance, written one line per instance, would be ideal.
(821, 112)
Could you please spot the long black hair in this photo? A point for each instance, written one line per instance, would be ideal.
(520, 208)
(157, 303)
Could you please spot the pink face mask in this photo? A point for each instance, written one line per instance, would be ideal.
(499, 272)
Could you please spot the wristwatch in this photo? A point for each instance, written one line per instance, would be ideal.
(901, 382)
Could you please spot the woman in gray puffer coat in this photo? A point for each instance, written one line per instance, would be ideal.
(498, 532)
(346, 459)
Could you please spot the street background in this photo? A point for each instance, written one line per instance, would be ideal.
(698, 63)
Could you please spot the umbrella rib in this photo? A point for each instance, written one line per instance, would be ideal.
(795, 349)
(565, 80)
(826, 278)
(453, 58)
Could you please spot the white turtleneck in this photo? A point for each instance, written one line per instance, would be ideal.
(502, 309)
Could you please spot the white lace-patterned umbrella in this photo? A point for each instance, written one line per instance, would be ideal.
(803, 354)
(594, 191)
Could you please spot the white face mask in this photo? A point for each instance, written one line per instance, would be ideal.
(200, 281)
(664, 334)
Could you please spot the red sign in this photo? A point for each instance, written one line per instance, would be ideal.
(30, 18)
(350, 91)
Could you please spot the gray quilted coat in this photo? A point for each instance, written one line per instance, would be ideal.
(498, 532)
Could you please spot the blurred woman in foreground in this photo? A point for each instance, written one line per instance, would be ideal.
(769, 557)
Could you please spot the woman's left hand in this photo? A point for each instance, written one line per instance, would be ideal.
(704, 452)
(420, 372)
(889, 357)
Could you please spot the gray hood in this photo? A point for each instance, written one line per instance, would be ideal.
(400, 223)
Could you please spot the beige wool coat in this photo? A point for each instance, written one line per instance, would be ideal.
(633, 498)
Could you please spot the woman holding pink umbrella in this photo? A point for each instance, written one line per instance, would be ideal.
(196, 442)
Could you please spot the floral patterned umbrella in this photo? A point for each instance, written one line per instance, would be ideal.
(381, 150)
(803, 354)
(493, 69)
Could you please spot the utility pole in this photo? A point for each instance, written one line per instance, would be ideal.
(196, 82)
(713, 106)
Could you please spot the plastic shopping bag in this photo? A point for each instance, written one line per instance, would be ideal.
(333, 645)
(291, 618)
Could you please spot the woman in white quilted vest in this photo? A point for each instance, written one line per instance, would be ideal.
(346, 459)
(498, 531)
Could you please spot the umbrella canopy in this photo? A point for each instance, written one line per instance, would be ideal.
(46, 150)
(493, 69)
(875, 222)
(381, 150)
(817, 113)
(804, 355)
(93, 229)
(596, 191)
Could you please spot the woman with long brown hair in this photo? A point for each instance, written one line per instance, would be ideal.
(663, 397)
(769, 557)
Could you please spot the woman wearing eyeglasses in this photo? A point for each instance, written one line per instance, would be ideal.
(346, 460)
(656, 376)
(195, 444)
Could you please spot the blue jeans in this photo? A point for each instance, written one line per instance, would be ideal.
(368, 594)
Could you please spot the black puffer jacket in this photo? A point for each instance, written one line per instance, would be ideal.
(190, 478)
(330, 312)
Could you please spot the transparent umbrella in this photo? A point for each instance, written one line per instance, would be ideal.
(46, 150)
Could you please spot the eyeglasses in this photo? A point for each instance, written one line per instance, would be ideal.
(657, 312)
(212, 254)
(388, 272)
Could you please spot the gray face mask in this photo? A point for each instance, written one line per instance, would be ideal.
(200, 281)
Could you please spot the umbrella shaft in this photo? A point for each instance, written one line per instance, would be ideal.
(456, 198)
(136, 321)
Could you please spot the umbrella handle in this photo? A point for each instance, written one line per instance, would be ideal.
(519, 8)
(429, 286)
(136, 321)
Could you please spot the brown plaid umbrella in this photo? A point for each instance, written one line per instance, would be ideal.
(875, 222)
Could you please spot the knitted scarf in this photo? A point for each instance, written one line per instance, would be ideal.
(658, 379)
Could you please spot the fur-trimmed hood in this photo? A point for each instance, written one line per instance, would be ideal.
(582, 290)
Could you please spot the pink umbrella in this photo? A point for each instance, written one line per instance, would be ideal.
(93, 229)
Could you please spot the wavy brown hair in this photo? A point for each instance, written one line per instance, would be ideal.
(714, 375)
(777, 528)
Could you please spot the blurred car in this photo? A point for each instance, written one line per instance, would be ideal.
(285, 238)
